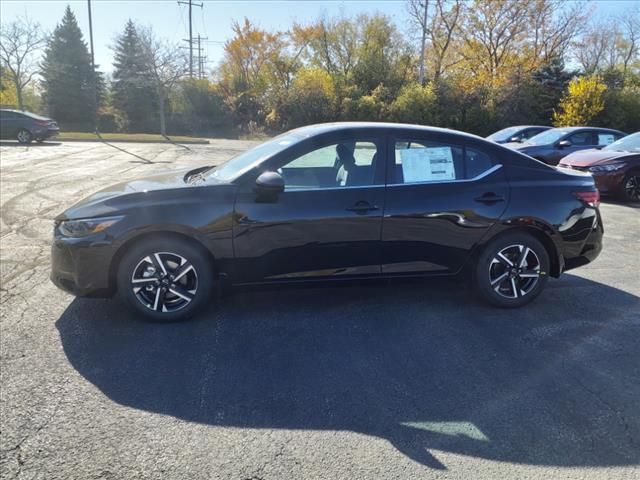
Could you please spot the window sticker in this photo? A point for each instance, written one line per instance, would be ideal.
(605, 138)
(427, 164)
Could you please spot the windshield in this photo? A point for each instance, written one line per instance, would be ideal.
(547, 137)
(630, 143)
(229, 171)
(504, 134)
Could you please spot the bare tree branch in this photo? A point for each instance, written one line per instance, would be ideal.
(19, 41)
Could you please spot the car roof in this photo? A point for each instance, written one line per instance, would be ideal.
(599, 129)
(318, 128)
(24, 112)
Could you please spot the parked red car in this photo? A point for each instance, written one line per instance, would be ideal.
(615, 168)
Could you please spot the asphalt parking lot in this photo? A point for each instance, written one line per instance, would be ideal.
(401, 380)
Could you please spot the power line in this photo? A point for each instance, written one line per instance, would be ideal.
(190, 4)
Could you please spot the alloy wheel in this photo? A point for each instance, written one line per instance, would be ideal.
(24, 136)
(514, 271)
(164, 282)
(632, 187)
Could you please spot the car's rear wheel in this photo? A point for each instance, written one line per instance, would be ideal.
(512, 270)
(631, 187)
(24, 136)
(166, 279)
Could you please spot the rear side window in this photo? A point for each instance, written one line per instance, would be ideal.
(606, 138)
(419, 161)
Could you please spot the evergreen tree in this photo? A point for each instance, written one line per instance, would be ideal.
(68, 79)
(133, 93)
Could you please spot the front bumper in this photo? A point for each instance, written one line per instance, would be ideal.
(610, 183)
(82, 267)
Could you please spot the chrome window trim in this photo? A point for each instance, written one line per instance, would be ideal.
(352, 187)
(493, 169)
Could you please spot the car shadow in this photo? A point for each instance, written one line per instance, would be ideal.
(422, 365)
(32, 144)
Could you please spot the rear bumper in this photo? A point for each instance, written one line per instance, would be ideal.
(589, 249)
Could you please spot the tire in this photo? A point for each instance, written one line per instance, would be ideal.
(148, 268)
(630, 191)
(24, 136)
(501, 267)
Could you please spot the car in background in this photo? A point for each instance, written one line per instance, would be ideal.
(517, 134)
(26, 126)
(615, 168)
(554, 144)
(332, 202)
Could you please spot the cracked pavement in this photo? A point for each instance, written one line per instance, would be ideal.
(383, 380)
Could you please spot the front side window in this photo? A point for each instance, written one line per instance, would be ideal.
(422, 161)
(349, 163)
(581, 139)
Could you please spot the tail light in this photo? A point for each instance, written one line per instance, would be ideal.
(42, 123)
(590, 198)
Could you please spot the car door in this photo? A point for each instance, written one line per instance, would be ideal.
(443, 196)
(6, 124)
(581, 140)
(326, 223)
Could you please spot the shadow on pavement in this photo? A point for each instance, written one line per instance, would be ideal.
(421, 365)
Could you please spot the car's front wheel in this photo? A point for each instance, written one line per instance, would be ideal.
(631, 187)
(166, 279)
(512, 270)
(24, 136)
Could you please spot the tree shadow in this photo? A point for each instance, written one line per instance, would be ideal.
(421, 365)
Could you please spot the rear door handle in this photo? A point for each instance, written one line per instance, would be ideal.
(489, 198)
(362, 207)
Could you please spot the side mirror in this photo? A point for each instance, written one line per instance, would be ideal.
(564, 144)
(515, 139)
(268, 186)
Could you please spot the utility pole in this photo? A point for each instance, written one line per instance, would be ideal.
(190, 4)
(423, 42)
(93, 70)
(201, 58)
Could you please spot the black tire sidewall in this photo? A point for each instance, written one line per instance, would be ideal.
(623, 192)
(192, 253)
(481, 275)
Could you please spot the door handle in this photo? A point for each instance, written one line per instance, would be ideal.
(362, 207)
(489, 198)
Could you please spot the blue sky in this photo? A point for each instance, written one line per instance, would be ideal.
(214, 20)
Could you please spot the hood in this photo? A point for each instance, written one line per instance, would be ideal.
(588, 158)
(121, 196)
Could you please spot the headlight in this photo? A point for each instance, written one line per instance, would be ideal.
(87, 226)
(606, 168)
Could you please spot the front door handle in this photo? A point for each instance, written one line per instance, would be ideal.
(489, 198)
(362, 207)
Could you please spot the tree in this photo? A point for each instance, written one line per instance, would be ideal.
(20, 40)
(416, 103)
(70, 84)
(167, 64)
(311, 99)
(133, 91)
(583, 102)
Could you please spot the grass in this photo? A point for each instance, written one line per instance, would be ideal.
(127, 137)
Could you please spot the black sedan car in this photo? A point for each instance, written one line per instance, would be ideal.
(552, 145)
(26, 126)
(517, 134)
(332, 201)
